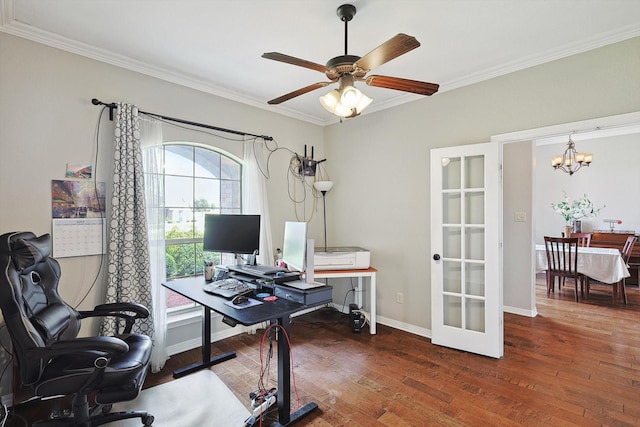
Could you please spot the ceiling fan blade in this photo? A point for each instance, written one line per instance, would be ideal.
(406, 85)
(392, 48)
(276, 56)
(298, 92)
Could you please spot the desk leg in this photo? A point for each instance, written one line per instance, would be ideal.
(207, 360)
(372, 321)
(285, 417)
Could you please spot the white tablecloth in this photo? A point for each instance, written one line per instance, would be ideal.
(603, 264)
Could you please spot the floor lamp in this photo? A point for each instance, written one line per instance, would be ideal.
(323, 187)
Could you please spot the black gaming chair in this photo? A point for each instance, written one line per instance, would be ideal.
(52, 360)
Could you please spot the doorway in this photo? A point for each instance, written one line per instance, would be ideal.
(520, 164)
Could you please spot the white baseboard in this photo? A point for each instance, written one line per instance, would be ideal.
(407, 327)
(520, 311)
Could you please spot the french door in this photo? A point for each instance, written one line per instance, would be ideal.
(466, 287)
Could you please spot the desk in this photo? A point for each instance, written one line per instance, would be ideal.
(278, 311)
(602, 264)
(370, 273)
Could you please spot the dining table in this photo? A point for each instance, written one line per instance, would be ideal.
(602, 264)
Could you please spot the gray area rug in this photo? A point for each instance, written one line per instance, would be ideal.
(200, 399)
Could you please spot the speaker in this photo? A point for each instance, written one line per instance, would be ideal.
(356, 318)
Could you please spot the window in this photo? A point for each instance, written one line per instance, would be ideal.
(197, 180)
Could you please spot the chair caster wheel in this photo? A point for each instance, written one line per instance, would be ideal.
(106, 409)
(148, 420)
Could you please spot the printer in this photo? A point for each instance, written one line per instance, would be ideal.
(341, 258)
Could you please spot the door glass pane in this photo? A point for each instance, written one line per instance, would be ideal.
(451, 173)
(452, 274)
(474, 315)
(474, 172)
(474, 207)
(451, 209)
(451, 247)
(474, 243)
(474, 279)
(452, 311)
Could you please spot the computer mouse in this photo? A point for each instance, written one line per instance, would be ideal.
(239, 299)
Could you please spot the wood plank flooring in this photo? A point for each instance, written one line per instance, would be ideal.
(575, 364)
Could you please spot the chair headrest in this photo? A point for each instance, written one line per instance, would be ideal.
(27, 252)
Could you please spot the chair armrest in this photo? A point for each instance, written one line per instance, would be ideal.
(120, 310)
(110, 346)
(116, 308)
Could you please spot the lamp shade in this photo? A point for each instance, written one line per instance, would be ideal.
(323, 186)
(330, 100)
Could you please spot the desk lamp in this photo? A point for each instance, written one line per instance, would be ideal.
(323, 187)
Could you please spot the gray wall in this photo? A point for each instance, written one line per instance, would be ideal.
(517, 235)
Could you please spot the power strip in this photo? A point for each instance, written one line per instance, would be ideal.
(261, 409)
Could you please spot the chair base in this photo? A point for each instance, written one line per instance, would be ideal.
(97, 420)
(83, 416)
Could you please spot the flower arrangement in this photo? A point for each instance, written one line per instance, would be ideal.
(575, 209)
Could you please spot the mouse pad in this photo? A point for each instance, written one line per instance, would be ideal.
(248, 303)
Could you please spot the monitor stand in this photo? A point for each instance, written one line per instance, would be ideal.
(309, 268)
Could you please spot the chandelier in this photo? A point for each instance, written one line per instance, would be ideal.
(571, 161)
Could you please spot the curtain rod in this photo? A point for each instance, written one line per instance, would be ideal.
(113, 105)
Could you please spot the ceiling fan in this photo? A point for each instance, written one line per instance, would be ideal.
(347, 101)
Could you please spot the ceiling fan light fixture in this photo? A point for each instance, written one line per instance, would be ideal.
(347, 101)
(330, 100)
(349, 95)
(364, 102)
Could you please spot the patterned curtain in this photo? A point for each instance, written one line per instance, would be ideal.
(128, 272)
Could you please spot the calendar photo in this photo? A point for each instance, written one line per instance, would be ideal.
(77, 199)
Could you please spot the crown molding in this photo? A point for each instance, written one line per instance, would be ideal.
(9, 25)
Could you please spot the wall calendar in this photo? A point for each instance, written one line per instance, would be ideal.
(78, 237)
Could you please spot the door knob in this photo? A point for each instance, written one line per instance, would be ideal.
(436, 257)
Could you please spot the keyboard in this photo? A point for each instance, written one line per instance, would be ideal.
(227, 288)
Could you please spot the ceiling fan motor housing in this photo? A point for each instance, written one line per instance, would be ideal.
(346, 12)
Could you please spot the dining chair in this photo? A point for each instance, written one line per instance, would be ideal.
(562, 262)
(584, 239)
(626, 254)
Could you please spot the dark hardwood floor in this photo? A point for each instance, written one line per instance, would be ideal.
(574, 364)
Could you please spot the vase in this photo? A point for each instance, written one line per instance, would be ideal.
(568, 229)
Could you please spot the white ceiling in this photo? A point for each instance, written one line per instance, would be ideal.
(215, 46)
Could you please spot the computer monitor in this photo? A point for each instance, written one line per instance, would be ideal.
(294, 246)
(231, 233)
